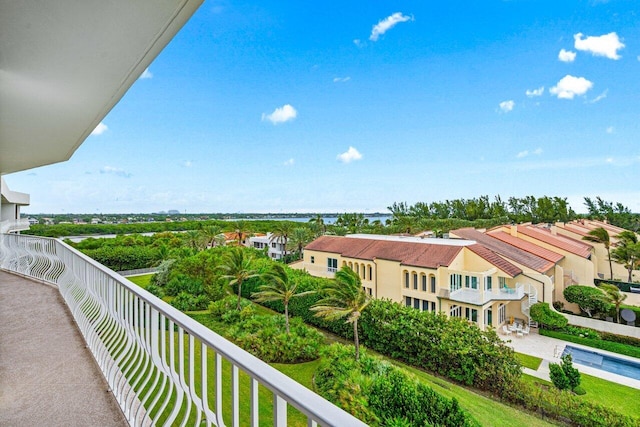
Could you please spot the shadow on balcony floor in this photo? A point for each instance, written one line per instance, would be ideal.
(47, 376)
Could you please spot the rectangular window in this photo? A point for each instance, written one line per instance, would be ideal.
(370, 273)
(474, 315)
(433, 307)
(407, 301)
(455, 282)
(415, 281)
(455, 311)
(424, 283)
(332, 265)
(502, 314)
(466, 312)
(487, 283)
(425, 305)
(489, 316)
(313, 259)
(433, 284)
(416, 303)
(370, 291)
(474, 282)
(503, 282)
(406, 279)
(273, 245)
(466, 281)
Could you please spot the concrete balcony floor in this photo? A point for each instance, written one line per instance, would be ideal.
(47, 376)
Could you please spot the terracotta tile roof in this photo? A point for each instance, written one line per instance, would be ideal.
(576, 228)
(530, 247)
(407, 253)
(593, 224)
(565, 243)
(496, 260)
(506, 250)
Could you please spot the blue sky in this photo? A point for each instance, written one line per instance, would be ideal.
(278, 106)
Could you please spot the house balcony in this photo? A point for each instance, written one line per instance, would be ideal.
(80, 342)
(481, 297)
(14, 225)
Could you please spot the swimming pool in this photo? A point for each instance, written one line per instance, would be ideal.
(607, 363)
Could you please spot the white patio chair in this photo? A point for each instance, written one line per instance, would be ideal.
(506, 330)
(519, 333)
(526, 331)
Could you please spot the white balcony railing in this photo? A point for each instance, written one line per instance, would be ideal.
(163, 367)
(7, 226)
(479, 296)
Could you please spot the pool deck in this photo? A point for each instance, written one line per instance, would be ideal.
(550, 350)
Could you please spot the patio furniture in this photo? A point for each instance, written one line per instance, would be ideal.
(519, 333)
(506, 330)
(526, 331)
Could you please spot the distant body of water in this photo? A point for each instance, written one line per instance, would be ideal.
(327, 219)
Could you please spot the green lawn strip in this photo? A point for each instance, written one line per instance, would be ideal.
(614, 347)
(143, 281)
(613, 395)
(528, 361)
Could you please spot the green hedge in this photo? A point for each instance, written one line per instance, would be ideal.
(377, 392)
(615, 347)
(564, 406)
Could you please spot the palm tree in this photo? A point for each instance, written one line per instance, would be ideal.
(627, 251)
(614, 296)
(194, 240)
(237, 268)
(210, 234)
(318, 225)
(300, 236)
(281, 233)
(279, 288)
(344, 296)
(241, 230)
(600, 235)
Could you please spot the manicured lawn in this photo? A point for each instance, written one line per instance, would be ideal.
(616, 396)
(142, 281)
(528, 361)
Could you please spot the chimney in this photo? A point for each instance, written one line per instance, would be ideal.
(514, 230)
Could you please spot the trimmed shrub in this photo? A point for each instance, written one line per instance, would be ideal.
(155, 290)
(564, 376)
(591, 300)
(382, 391)
(558, 377)
(188, 302)
(182, 283)
(542, 313)
(265, 337)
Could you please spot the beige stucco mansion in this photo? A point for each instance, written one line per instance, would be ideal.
(488, 277)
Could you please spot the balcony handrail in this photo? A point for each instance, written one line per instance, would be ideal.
(93, 292)
(9, 225)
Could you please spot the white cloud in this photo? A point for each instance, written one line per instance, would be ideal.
(358, 42)
(289, 162)
(566, 55)
(187, 163)
(526, 153)
(535, 92)
(570, 86)
(600, 97)
(386, 24)
(507, 106)
(281, 115)
(606, 45)
(115, 171)
(610, 129)
(341, 79)
(100, 129)
(609, 160)
(350, 155)
(146, 74)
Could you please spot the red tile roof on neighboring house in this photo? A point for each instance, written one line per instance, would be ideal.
(495, 259)
(506, 250)
(547, 254)
(593, 224)
(576, 228)
(407, 253)
(565, 243)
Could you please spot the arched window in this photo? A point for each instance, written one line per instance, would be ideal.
(423, 280)
(406, 279)
(415, 280)
(370, 273)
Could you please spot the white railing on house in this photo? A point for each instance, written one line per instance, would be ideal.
(163, 367)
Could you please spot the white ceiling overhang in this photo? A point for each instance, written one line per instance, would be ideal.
(64, 64)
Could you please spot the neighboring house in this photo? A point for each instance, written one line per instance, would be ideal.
(460, 278)
(580, 228)
(275, 244)
(33, 221)
(10, 204)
